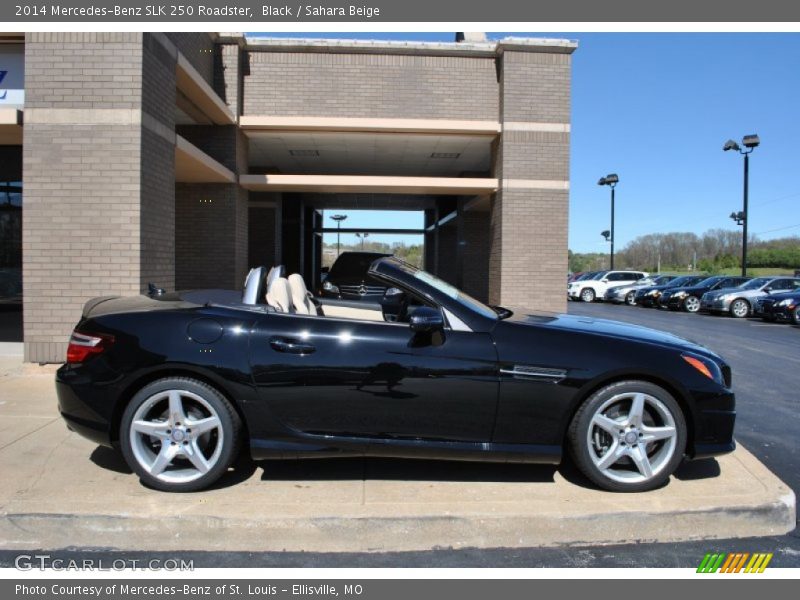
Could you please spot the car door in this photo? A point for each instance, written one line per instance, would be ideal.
(341, 377)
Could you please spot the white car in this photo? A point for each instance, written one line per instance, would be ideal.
(591, 289)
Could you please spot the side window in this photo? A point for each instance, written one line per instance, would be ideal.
(795, 284)
(725, 283)
(780, 284)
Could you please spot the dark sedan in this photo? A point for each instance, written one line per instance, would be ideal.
(687, 297)
(181, 381)
(648, 297)
(779, 307)
(348, 278)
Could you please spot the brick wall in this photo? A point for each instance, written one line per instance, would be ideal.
(370, 85)
(96, 160)
(528, 221)
(199, 50)
(210, 235)
(476, 254)
(228, 80)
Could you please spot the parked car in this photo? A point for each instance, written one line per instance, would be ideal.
(738, 302)
(588, 290)
(627, 293)
(782, 306)
(688, 297)
(348, 278)
(648, 297)
(449, 378)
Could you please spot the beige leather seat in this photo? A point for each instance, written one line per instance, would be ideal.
(279, 295)
(301, 299)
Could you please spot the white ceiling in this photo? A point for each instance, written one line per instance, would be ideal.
(369, 153)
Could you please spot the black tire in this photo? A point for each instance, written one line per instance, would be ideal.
(229, 440)
(630, 298)
(737, 308)
(796, 316)
(577, 436)
(587, 295)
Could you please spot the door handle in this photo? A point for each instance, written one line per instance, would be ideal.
(291, 346)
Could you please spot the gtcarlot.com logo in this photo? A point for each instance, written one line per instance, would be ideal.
(30, 562)
(735, 562)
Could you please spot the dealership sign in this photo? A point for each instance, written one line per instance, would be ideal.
(12, 76)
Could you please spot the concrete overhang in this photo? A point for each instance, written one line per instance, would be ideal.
(359, 125)
(198, 98)
(10, 127)
(368, 184)
(488, 49)
(192, 165)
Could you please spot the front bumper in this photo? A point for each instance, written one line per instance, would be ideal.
(714, 425)
(778, 313)
(715, 305)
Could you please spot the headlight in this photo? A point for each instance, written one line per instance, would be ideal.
(680, 294)
(725, 297)
(787, 302)
(329, 287)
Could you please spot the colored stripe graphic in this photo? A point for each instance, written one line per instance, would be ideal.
(734, 562)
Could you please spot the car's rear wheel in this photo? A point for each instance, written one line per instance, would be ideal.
(630, 298)
(628, 436)
(179, 434)
(691, 304)
(740, 308)
(587, 295)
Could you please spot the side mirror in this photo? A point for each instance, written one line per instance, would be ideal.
(768, 289)
(426, 320)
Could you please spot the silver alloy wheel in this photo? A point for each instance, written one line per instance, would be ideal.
(632, 437)
(173, 444)
(587, 295)
(740, 308)
(796, 315)
(692, 304)
(630, 298)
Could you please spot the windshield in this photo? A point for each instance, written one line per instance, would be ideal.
(683, 281)
(663, 280)
(709, 281)
(598, 275)
(353, 264)
(754, 284)
(456, 294)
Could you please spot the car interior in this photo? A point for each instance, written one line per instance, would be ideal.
(290, 295)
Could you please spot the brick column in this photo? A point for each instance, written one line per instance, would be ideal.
(528, 226)
(97, 159)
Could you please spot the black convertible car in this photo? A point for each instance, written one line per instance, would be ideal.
(181, 382)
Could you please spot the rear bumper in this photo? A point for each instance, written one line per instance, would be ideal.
(81, 416)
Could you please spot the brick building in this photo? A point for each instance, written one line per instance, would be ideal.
(185, 158)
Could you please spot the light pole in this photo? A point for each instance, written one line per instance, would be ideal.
(750, 142)
(363, 237)
(611, 180)
(338, 219)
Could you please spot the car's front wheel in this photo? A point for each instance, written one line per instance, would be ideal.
(691, 304)
(628, 436)
(587, 295)
(630, 298)
(179, 434)
(740, 308)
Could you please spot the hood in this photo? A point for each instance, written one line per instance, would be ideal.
(605, 327)
(738, 292)
(691, 289)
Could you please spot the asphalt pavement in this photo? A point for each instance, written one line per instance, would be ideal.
(764, 358)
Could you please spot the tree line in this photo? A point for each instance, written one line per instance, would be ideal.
(711, 251)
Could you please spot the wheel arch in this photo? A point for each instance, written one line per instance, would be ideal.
(164, 372)
(674, 388)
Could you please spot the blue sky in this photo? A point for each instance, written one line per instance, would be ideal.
(656, 109)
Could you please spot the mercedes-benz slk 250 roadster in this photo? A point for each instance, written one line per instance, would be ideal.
(182, 382)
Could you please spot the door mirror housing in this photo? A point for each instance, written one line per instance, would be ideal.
(426, 320)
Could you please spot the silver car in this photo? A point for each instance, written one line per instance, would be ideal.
(739, 301)
(627, 293)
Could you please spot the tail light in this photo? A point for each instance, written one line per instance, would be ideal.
(85, 345)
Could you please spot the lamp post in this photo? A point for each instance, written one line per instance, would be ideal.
(338, 219)
(750, 142)
(363, 237)
(611, 180)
